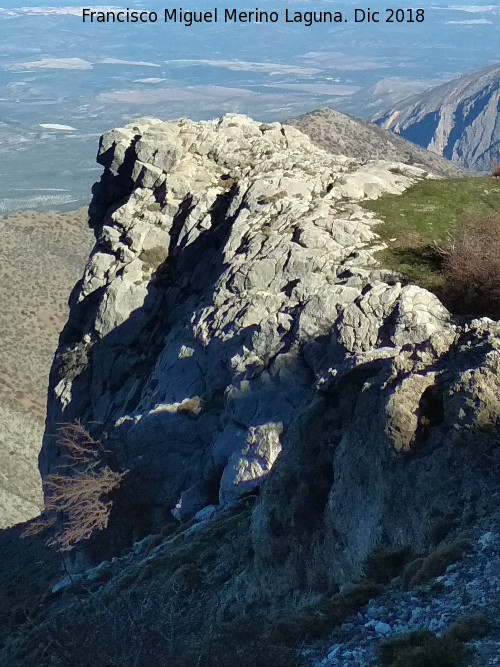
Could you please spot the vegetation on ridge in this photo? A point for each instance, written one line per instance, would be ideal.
(422, 648)
(444, 235)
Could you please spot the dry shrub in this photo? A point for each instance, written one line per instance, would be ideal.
(496, 170)
(472, 268)
(76, 499)
(422, 648)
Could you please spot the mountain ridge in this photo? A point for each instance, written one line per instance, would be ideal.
(339, 133)
(458, 119)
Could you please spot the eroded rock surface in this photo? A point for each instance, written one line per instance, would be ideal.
(232, 321)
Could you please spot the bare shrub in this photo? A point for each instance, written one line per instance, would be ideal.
(472, 268)
(78, 496)
(496, 170)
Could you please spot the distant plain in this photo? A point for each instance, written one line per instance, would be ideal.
(63, 82)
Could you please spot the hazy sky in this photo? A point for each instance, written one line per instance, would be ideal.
(57, 73)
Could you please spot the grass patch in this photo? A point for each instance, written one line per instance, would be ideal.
(422, 648)
(321, 619)
(153, 258)
(470, 626)
(385, 563)
(422, 570)
(274, 638)
(427, 216)
(188, 558)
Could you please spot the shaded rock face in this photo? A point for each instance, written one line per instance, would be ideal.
(233, 330)
(458, 120)
(388, 451)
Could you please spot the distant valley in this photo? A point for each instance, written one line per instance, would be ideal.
(57, 96)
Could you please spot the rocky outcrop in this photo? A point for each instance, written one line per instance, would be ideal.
(390, 450)
(224, 251)
(233, 327)
(458, 120)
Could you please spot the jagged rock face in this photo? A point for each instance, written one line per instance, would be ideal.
(458, 119)
(227, 254)
(391, 448)
(233, 327)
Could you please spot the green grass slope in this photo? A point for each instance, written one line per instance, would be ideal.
(428, 219)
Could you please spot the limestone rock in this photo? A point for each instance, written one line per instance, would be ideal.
(234, 332)
(219, 247)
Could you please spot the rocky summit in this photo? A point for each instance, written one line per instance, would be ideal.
(233, 268)
(297, 424)
(232, 291)
(458, 120)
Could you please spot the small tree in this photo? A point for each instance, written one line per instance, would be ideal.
(496, 170)
(76, 499)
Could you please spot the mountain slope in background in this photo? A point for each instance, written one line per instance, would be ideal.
(338, 133)
(378, 97)
(41, 257)
(459, 119)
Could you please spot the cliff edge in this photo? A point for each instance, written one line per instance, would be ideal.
(232, 290)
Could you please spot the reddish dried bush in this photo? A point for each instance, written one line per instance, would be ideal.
(76, 499)
(472, 268)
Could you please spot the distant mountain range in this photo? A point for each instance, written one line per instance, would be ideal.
(372, 100)
(459, 120)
